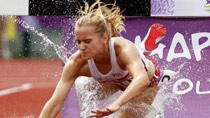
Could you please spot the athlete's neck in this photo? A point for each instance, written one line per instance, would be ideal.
(104, 56)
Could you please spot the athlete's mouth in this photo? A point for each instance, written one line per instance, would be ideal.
(84, 53)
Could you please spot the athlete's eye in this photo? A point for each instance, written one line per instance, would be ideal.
(87, 41)
(77, 42)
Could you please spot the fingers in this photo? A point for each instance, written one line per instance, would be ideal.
(101, 113)
(96, 115)
(96, 111)
(93, 111)
(109, 110)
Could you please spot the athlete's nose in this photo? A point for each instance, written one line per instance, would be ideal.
(82, 46)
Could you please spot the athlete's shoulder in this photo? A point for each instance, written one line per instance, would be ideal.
(76, 59)
(122, 43)
(77, 65)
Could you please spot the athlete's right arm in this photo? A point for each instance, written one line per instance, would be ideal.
(69, 75)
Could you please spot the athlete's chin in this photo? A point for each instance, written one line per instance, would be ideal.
(86, 57)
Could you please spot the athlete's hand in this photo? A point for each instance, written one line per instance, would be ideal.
(104, 112)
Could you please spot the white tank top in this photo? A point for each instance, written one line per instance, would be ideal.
(116, 74)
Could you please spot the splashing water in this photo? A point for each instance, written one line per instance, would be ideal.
(90, 96)
(61, 51)
(165, 97)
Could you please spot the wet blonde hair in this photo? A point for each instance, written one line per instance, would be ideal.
(106, 20)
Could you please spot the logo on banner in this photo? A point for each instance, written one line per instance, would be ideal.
(179, 40)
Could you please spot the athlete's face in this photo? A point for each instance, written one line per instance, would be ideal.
(88, 41)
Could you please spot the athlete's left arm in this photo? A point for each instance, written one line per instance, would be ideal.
(130, 57)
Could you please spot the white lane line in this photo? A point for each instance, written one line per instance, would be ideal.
(23, 87)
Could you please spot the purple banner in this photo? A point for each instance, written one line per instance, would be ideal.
(187, 41)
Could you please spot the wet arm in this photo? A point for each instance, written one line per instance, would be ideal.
(140, 78)
(54, 105)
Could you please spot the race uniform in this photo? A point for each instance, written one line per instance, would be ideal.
(117, 75)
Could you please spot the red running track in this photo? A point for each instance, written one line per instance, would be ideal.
(41, 74)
